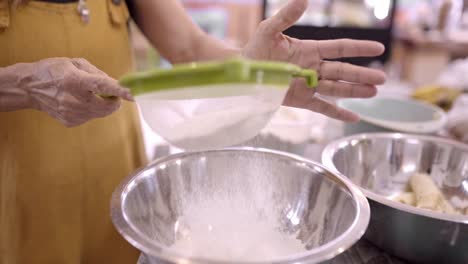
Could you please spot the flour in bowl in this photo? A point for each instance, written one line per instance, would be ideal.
(222, 229)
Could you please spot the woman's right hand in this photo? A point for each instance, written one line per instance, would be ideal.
(68, 89)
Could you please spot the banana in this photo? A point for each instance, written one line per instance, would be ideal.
(426, 92)
(437, 95)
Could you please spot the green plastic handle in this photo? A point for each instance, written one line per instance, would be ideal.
(106, 96)
(310, 76)
(237, 71)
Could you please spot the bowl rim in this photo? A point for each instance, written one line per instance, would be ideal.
(429, 126)
(332, 148)
(333, 248)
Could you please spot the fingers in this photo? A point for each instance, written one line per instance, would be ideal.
(285, 18)
(102, 107)
(100, 82)
(73, 112)
(344, 89)
(299, 95)
(342, 48)
(321, 106)
(86, 66)
(67, 90)
(106, 86)
(337, 71)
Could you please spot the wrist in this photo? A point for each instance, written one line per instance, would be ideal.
(211, 48)
(14, 87)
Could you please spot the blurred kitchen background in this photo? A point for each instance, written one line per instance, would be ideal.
(426, 41)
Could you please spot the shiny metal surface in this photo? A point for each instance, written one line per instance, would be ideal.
(327, 211)
(381, 165)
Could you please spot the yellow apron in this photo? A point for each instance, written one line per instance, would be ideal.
(56, 182)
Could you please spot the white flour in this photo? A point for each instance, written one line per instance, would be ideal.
(212, 122)
(231, 230)
(239, 225)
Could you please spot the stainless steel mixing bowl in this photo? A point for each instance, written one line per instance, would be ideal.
(381, 165)
(326, 211)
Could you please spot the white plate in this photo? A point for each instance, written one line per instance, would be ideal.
(402, 115)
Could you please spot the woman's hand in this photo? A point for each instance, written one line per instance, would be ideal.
(336, 78)
(66, 89)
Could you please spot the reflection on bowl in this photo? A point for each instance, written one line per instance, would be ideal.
(382, 164)
(392, 114)
(322, 210)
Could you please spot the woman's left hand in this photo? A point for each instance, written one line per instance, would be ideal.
(336, 78)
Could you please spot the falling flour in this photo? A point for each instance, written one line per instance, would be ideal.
(226, 229)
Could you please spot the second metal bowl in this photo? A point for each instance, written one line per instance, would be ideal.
(381, 164)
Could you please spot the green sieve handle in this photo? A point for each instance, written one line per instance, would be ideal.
(106, 96)
(310, 76)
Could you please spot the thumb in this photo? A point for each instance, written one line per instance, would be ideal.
(286, 16)
(106, 87)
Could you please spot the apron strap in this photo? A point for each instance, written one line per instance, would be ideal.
(4, 14)
(118, 12)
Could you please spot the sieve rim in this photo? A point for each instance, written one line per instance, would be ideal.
(238, 70)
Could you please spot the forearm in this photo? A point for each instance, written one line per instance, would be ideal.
(210, 48)
(174, 35)
(13, 91)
